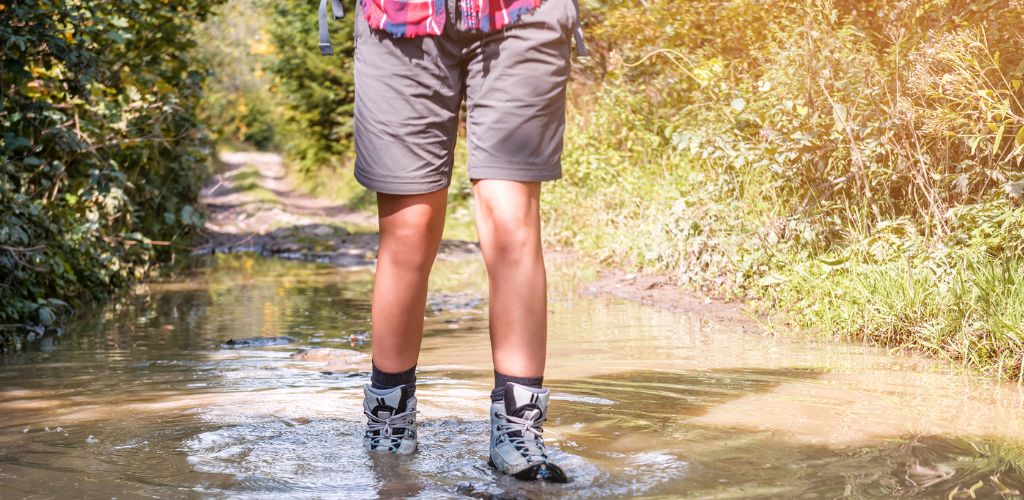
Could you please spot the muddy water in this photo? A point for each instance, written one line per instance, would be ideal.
(143, 399)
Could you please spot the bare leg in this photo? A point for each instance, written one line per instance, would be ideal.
(410, 232)
(508, 223)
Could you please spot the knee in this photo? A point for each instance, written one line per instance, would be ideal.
(511, 237)
(411, 248)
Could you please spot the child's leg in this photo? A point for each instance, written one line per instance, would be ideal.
(410, 233)
(508, 223)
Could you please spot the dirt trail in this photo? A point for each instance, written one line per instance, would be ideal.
(252, 206)
(247, 180)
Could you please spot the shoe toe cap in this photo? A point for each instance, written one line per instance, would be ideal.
(549, 473)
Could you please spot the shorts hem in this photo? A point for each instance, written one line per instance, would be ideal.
(400, 187)
(526, 173)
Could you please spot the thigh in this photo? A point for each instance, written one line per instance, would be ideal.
(515, 96)
(407, 98)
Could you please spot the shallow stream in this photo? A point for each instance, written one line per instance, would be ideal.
(145, 399)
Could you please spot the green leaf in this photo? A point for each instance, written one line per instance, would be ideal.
(190, 217)
(46, 316)
(834, 262)
(974, 144)
(772, 280)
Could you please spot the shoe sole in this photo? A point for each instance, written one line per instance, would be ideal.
(490, 463)
(396, 452)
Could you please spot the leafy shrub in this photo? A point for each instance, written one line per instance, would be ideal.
(101, 155)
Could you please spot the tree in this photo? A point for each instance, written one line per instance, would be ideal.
(317, 92)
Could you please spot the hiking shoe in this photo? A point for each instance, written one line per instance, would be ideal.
(390, 420)
(517, 441)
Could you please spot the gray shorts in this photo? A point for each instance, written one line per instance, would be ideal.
(409, 93)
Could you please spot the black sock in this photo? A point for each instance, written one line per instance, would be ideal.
(500, 379)
(384, 380)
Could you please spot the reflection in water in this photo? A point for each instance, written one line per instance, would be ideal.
(143, 400)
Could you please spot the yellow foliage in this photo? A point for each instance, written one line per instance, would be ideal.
(260, 46)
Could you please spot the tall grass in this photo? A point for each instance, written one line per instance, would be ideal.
(857, 164)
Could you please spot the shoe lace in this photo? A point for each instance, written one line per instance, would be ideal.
(529, 441)
(381, 429)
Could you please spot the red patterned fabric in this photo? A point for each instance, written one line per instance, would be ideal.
(413, 18)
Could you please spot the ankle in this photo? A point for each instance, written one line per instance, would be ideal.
(500, 380)
(382, 380)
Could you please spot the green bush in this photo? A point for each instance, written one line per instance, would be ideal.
(101, 155)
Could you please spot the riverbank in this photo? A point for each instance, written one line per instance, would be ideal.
(101, 155)
(702, 225)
